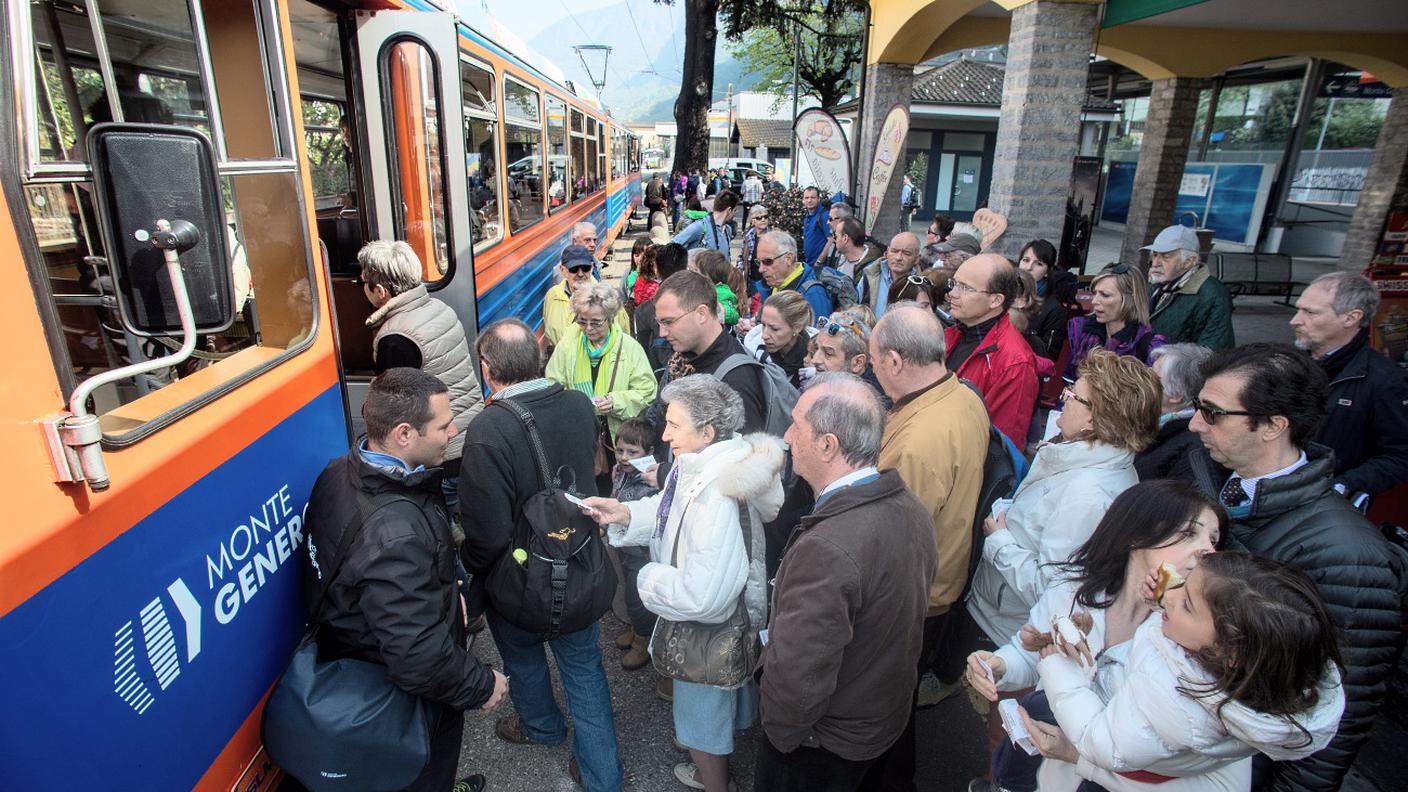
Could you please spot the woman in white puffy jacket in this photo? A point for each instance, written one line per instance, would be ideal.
(1243, 659)
(1111, 413)
(699, 562)
(1150, 524)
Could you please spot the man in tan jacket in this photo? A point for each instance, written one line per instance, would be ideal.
(936, 438)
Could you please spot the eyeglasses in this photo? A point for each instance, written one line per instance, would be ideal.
(1070, 395)
(762, 216)
(917, 280)
(1211, 414)
(590, 324)
(932, 232)
(956, 284)
(767, 262)
(580, 270)
(834, 325)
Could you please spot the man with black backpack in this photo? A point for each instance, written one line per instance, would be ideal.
(380, 582)
(537, 561)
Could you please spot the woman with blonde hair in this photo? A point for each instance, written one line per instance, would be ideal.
(781, 335)
(1118, 320)
(1111, 413)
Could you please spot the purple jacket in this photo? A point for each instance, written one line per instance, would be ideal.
(1086, 334)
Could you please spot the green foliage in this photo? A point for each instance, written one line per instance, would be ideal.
(327, 156)
(830, 55)
(1355, 123)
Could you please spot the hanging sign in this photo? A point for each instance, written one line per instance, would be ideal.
(822, 142)
(889, 152)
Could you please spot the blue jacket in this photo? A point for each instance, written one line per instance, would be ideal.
(817, 296)
(702, 233)
(815, 232)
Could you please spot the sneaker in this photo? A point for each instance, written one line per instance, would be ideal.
(665, 689)
(474, 783)
(625, 639)
(686, 773)
(933, 692)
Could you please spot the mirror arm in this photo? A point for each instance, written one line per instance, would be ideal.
(79, 430)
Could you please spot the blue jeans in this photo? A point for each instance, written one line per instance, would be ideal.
(1012, 768)
(583, 678)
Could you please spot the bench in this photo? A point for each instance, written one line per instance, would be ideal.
(1255, 274)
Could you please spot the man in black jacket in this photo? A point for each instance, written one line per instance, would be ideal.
(498, 474)
(1367, 421)
(1258, 408)
(380, 543)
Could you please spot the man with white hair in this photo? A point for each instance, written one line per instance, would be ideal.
(1367, 421)
(783, 270)
(1186, 303)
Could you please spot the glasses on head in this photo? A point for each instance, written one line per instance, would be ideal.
(1067, 394)
(590, 324)
(1212, 413)
(767, 262)
(956, 284)
(916, 279)
(1117, 269)
(833, 325)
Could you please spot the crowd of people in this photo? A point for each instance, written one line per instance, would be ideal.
(846, 478)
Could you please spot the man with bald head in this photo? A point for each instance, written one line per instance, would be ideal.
(900, 261)
(849, 600)
(985, 349)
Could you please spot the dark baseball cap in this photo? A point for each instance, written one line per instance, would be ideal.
(576, 257)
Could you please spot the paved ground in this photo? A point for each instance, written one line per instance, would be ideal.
(952, 737)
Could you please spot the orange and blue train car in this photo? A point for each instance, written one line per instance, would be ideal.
(144, 621)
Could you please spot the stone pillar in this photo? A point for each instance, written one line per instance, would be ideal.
(1168, 132)
(1048, 58)
(885, 85)
(1385, 187)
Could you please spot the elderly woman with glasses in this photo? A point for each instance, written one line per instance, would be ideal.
(1111, 414)
(748, 253)
(704, 562)
(1118, 320)
(1177, 452)
(597, 358)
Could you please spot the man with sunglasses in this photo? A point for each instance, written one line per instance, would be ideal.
(1257, 413)
(782, 270)
(842, 346)
(984, 347)
(576, 268)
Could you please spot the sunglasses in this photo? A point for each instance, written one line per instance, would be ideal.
(1069, 395)
(581, 269)
(767, 262)
(1212, 414)
(1117, 269)
(917, 280)
(833, 326)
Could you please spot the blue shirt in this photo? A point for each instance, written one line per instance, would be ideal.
(882, 299)
(863, 476)
(815, 232)
(704, 233)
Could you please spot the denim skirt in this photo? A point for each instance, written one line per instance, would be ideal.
(707, 716)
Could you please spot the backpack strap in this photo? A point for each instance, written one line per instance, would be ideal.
(734, 361)
(348, 537)
(534, 441)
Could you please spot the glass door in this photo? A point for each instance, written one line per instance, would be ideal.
(963, 173)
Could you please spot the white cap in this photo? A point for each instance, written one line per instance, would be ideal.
(1175, 237)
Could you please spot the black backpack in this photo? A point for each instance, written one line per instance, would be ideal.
(555, 577)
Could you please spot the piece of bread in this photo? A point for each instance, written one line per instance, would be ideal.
(1168, 579)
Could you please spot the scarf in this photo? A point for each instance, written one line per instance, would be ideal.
(582, 369)
(788, 281)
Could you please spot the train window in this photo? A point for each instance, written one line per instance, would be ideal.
(557, 153)
(416, 154)
(329, 150)
(601, 152)
(593, 164)
(481, 150)
(523, 155)
(579, 156)
(153, 67)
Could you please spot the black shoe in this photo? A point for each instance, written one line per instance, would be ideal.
(474, 783)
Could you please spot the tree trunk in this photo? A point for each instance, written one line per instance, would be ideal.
(696, 86)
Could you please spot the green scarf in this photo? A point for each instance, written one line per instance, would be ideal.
(582, 371)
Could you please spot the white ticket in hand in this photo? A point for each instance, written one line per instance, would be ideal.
(1016, 729)
(642, 463)
(574, 500)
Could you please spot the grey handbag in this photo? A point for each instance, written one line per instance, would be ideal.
(722, 655)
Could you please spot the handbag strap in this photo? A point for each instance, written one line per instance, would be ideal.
(615, 366)
(534, 441)
(745, 521)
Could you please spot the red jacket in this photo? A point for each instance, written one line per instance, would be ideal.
(1003, 367)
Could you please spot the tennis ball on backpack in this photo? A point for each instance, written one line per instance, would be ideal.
(520, 555)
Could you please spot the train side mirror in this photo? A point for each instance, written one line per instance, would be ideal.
(143, 173)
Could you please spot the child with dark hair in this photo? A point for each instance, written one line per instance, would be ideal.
(1243, 659)
(635, 438)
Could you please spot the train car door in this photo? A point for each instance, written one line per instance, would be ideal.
(408, 63)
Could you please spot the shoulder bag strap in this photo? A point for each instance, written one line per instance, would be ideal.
(342, 549)
(534, 442)
(620, 348)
